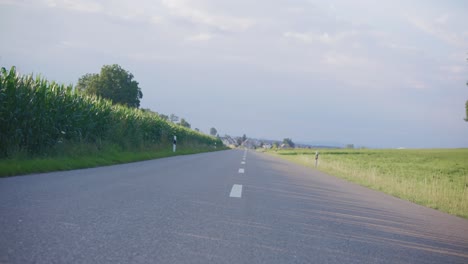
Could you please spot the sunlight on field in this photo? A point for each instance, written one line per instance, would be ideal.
(436, 178)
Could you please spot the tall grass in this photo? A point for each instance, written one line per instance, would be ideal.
(436, 178)
(38, 118)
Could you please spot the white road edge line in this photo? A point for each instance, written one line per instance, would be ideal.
(236, 191)
(241, 170)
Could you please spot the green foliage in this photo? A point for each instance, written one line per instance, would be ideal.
(184, 123)
(164, 117)
(173, 118)
(213, 131)
(288, 142)
(88, 83)
(113, 83)
(38, 117)
(466, 109)
(437, 178)
(87, 156)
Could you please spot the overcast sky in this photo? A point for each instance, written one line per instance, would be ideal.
(372, 73)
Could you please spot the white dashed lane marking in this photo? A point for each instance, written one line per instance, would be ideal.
(241, 170)
(236, 191)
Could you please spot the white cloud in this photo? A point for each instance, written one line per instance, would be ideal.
(308, 38)
(442, 19)
(455, 73)
(181, 9)
(295, 10)
(355, 62)
(417, 84)
(337, 59)
(157, 20)
(324, 38)
(8, 2)
(440, 30)
(147, 11)
(76, 5)
(23, 3)
(455, 69)
(150, 57)
(73, 44)
(402, 47)
(200, 37)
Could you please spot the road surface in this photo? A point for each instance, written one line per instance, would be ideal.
(225, 207)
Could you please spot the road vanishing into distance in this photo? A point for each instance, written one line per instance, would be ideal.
(234, 206)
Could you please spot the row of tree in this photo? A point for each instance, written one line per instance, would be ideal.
(118, 85)
(287, 143)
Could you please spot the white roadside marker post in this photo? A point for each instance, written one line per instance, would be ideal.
(174, 145)
(316, 158)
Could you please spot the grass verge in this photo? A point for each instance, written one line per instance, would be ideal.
(109, 156)
(435, 178)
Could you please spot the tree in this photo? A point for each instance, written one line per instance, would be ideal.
(350, 146)
(114, 83)
(288, 142)
(196, 129)
(173, 118)
(88, 83)
(164, 117)
(184, 123)
(466, 107)
(244, 138)
(147, 110)
(213, 131)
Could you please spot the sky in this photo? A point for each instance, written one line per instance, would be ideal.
(379, 74)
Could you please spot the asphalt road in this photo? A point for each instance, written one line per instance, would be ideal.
(204, 209)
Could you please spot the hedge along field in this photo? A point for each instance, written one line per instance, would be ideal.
(40, 118)
(436, 178)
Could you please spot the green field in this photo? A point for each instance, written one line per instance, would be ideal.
(436, 178)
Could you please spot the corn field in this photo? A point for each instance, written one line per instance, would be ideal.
(37, 115)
